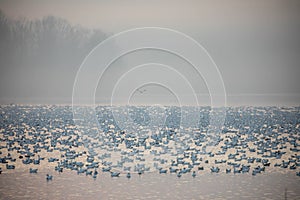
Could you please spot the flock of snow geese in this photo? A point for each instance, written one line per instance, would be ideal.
(253, 140)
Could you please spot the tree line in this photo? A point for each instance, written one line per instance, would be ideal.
(47, 42)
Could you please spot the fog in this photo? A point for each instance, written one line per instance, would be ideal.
(255, 45)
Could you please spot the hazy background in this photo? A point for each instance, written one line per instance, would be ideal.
(255, 44)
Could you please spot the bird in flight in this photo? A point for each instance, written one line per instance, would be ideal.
(141, 91)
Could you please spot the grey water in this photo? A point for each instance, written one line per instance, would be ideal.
(69, 185)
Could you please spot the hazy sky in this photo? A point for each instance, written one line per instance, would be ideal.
(255, 44)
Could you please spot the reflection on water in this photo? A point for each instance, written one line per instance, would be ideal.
(69, 185)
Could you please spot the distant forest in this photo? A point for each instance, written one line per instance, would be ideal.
(47, 42)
